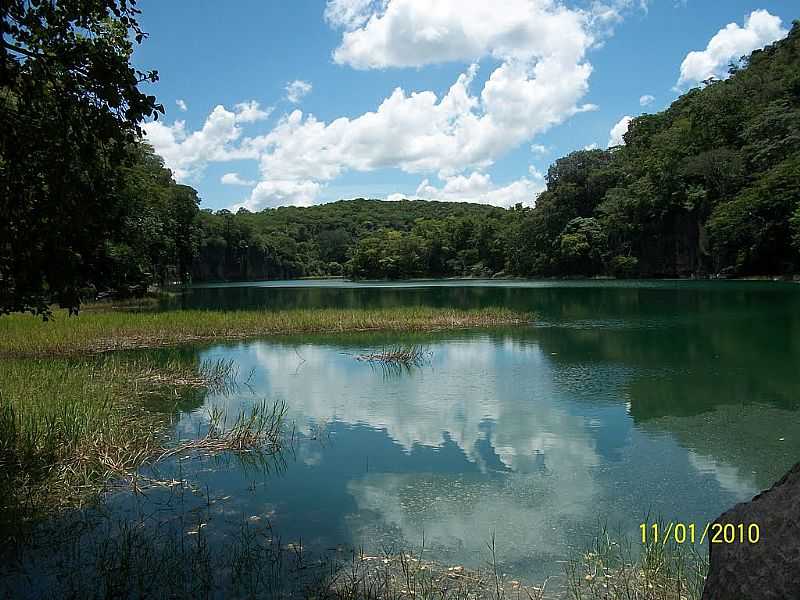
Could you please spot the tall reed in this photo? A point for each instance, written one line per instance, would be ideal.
(66, 427)
(100, 331)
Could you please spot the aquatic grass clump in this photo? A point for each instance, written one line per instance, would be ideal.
(68, 427)
(102, 331)
(261, 429)
(397, 360)
(406, 356)
(216, 375)
(613, 568)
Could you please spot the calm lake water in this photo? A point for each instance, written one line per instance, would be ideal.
(676, 399)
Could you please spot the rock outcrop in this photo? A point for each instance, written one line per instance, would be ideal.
(770, 568)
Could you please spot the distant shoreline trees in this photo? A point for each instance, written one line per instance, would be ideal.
(710, 186)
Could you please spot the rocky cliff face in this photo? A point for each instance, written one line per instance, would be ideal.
(770, 568)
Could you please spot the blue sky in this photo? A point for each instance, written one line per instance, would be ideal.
(531, 81)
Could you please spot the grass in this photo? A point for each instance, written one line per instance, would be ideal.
(259, 430)
(146, 557)
(141, 558)
(615, 569)
(396, 360)
(101, 331)
(405, 356)
(68, 427)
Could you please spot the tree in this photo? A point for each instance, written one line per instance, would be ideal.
(581, 246)
(70, 111)
(158, 240)
(753, 232)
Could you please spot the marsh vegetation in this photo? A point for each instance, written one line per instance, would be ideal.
(614, 567)
(94, 555)
(80, 429)
(104, 331)
(70, 430)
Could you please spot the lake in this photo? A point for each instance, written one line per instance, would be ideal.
(621, 400)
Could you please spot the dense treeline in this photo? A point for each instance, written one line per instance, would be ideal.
(157, 240)
(70, 113)
(358, 238)
(709, 186)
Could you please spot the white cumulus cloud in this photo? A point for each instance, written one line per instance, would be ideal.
(620, 129)
(349, 14)
(295, 90)
(646, 100)
(249, 112)
(235, 179)
(181, 104)
(539, 149)
(282, 192)
(539, 79)
(413, 33)
(730, 43)
(478, 187)
(188, 153)
(606, 14)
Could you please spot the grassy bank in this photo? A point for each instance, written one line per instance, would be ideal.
(100, 331)
(69, 426)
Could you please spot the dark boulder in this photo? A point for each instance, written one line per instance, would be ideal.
(770, 568)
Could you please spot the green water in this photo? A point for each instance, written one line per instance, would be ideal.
(669, 398)
(674, 399)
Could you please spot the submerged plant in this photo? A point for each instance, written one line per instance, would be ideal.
(97, 556)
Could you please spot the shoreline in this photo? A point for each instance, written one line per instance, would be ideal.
(793, 278)
(98, 331)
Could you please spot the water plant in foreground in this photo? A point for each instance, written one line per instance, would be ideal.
(67, 428)
(94, 555)
(614, 568)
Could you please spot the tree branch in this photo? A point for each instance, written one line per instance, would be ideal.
(22, 51)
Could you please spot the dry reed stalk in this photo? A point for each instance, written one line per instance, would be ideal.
(400, 355)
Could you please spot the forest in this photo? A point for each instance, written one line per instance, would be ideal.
(708, 187)
(711, 186)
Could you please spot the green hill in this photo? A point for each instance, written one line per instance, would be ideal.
(709, 186)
